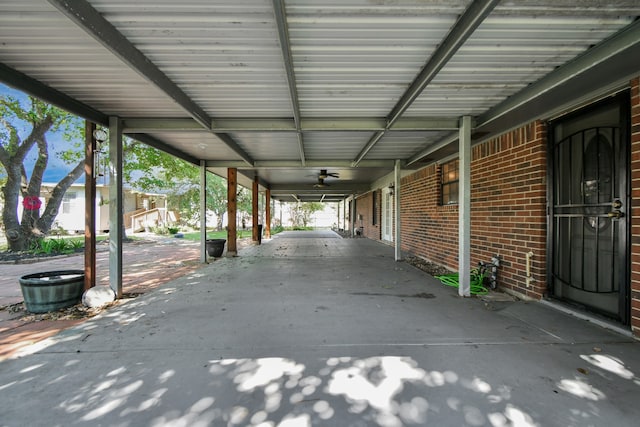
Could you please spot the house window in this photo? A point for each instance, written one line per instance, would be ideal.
(449, 182)
(67, 200)
(374, 220)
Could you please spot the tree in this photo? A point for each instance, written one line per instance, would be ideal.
(145, 167)
(177, 178)
(301, 212)
(37, 118)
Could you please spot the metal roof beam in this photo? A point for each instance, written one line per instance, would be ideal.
(624, 39)
(307, 188)
(295, 164)
(463, 28)
(460, 32)
(35, 88)
(155, 143)
(91, 21)
(233, 145)
(356, 124)
(285, 47)
(138, 125)
(432, 148)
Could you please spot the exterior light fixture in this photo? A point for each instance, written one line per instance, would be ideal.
(100, 135)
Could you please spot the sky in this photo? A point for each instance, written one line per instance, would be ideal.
(56, 169)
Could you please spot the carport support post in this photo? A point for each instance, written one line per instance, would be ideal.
(396, 210)
(254, 209)
(232, 209)
(267, 214)
(116, 206)
(344, 215)
(352, 214)
(203, 212)
(89, 206)
(464, 208)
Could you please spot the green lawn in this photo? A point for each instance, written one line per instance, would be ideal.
(195, 235)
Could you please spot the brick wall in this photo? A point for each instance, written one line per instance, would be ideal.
(508, 209)
(364, 207)
(428, 229)
(508, 206)
(635, 206)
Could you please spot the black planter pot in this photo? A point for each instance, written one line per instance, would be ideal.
(215, 247)
(52, 290)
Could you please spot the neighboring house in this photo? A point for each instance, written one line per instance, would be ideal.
(552, 198)
(141, 210)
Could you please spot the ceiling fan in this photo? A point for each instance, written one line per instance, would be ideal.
(320, 183)
(324, 174)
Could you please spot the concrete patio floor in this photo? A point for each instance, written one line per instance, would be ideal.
(309, 329)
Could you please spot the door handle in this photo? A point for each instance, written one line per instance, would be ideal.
(615, 214)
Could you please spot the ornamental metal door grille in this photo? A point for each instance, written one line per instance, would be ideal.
(589, 212)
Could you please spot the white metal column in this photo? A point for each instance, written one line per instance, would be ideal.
(464, 208)
(352, 215)
(203, 211)
(396, 210)
(116, 205)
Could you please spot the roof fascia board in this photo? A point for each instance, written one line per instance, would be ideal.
(35, 88)
(625, 39)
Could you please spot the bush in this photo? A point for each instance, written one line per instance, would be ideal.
(55, 246)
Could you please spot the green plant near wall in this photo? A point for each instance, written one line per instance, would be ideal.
(55, 246)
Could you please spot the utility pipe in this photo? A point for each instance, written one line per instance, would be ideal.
(529, 278)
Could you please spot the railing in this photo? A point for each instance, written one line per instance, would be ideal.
(145, 220)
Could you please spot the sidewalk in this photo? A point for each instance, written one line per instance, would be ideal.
(147, 264)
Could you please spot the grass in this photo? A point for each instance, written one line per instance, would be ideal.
(195, 235)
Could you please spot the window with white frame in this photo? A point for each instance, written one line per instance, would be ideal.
(67, 202)
(449, 181)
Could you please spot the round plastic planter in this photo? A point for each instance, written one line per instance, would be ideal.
(215, 247)
(52, 290)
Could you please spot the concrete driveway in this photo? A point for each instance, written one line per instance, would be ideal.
(314, 330)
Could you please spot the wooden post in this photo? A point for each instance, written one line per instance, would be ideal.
(254, 209)
(267, 215)
(232, 209)
(89, 206)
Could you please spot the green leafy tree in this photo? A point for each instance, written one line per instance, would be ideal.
(302, 212)
(145, 168)
(160, 172)
(36, 118)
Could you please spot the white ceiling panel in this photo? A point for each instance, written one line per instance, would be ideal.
(297, 86)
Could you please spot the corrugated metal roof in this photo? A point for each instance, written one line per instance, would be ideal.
(282, 88)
